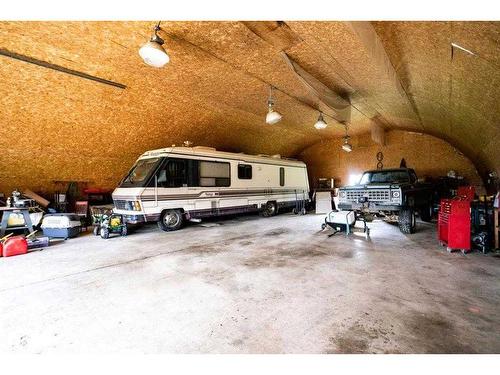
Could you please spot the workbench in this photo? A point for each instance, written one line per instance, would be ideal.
(7, 211)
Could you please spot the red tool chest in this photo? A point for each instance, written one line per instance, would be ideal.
(454, 222)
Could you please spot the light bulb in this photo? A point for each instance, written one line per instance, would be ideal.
(154, 54)
(273, 117)
(320, 124)
(347, 147)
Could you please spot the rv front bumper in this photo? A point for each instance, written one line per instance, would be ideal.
(139, 218)
(134, 219)
(131, 217)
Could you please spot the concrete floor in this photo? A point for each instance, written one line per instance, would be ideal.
(251, 285)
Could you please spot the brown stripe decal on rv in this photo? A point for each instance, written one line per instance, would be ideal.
(218, 194)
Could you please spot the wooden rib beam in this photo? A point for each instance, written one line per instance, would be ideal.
(59, 68)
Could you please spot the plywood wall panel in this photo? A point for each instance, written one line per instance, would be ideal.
(214, 92)
(326, 159)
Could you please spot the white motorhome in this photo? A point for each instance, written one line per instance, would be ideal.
(175, 184)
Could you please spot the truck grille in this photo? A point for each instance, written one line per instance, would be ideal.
(373, 195)
(121, 204)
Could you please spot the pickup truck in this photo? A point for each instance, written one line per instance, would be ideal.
(395, 194)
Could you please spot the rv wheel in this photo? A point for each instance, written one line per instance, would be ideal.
(171, 220)
(270, 209)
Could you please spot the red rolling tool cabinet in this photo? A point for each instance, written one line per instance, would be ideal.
(454, 222)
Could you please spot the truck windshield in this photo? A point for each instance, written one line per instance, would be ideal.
(140, 173)
(384, 177)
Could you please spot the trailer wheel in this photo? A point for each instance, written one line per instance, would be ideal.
(124, 231)
(406, 220)
(171, 220)
(270, 209)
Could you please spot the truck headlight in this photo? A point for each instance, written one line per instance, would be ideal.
(396, 194)
(342, 194)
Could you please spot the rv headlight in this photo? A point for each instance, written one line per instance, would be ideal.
(342, 194)
(134, 205)
(396, 194)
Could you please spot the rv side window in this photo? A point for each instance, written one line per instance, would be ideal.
(282, 176)
(214, 174)
(173, 174)
(244, 171)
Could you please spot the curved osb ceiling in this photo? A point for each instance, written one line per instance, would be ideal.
(400, 75)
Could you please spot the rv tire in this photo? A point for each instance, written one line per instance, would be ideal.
(270, 209)
(171, 220)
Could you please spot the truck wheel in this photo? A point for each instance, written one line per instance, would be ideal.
(171, 220)
(406, 220)
(426, 213)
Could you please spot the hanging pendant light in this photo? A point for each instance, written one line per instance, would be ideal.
(346, 146)
(153, 52)
(320, 124)
(272, 116)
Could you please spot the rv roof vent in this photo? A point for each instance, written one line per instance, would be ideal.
(276, 156)
(206, 148)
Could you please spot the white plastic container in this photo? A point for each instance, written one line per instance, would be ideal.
(61, 225)
(341, 217)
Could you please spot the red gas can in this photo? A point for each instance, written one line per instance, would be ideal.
(15, 246)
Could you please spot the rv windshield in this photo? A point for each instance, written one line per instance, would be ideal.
(140, 173)
(388, 176)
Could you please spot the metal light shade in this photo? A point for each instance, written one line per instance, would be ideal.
(154, 54)
(346, 146)
(272, 117)
(320, 124)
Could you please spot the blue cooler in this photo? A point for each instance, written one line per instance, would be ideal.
(61, 225)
